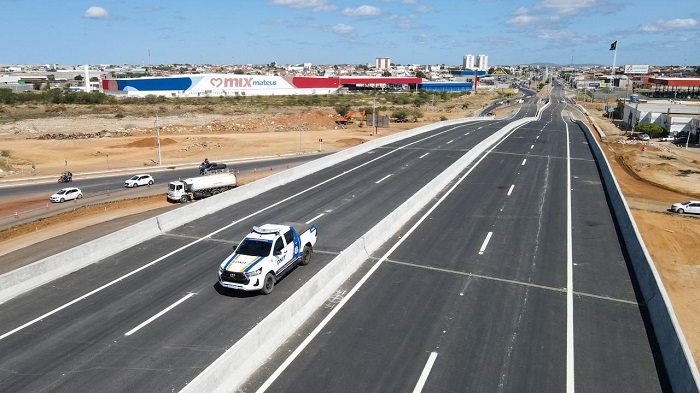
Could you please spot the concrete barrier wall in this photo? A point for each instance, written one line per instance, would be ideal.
(675, 352)
(48, 269)
(229, 371)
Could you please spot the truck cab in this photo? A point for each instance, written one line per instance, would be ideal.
(265, 255)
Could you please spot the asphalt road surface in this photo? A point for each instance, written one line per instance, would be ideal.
(32, 195)
(481, 296)
(71, 335)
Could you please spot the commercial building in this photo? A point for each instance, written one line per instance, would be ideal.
(382, 63)
(235, 85)
(468, 62)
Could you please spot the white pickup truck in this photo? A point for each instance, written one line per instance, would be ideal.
(265, 255)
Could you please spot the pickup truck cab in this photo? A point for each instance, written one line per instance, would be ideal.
(265, 255)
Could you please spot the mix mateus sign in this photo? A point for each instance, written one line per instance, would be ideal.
(219, 85)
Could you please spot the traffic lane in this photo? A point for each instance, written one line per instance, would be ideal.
(615, 350)
(505, 220)
(489, 335)
(88, 343)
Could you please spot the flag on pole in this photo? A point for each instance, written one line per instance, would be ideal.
(613, 46)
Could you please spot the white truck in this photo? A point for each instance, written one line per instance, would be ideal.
(265, 255)
(200, 187)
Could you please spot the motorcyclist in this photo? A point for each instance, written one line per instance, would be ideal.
(206, 161)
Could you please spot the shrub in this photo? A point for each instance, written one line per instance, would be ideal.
(653, 130)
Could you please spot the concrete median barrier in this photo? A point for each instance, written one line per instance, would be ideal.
(48, 269)
(675, 352)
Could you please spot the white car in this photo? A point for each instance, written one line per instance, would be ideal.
(66, 194)
(138, 180)
(686, 207)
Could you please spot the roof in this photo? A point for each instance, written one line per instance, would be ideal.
(267, 231)
(369, 80)
(679, 82)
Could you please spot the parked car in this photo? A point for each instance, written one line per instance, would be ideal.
(66, 194)
(686, 207)
(667, 138)
(644, 137)
(138, 180)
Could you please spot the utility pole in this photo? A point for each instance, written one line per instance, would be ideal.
(157, 127)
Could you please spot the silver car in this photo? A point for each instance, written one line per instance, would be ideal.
(686, 207)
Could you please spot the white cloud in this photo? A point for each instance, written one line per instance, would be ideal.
(673, 24)
(409, 1)
(95, 12)
(424, 9)
(568, 7)
(315, 5)
(364, 10)
(522, 20)
(342, 29)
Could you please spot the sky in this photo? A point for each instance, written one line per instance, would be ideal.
(509, 32)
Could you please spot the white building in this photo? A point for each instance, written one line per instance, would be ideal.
(382, 63)
(468, 62)
(482, 63)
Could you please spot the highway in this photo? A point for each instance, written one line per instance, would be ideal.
(513, 280)
(71, 335)
(503, 287)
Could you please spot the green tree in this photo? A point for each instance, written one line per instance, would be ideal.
(653, 130)
(421, 74)
(386, 73)
(78, 78)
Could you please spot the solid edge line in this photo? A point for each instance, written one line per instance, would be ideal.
(153, 318)
(425, 373)
(570, 385)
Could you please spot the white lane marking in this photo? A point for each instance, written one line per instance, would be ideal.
(315, 218)
(153, 318)
(485, 244)
(425, 373)
(423, 155)
(531, 146)
(109, 284)
(538, 137)
(369, 273)
(382, 179)
(510, 190)
(450, 142)
(570, 386)
(524, 160)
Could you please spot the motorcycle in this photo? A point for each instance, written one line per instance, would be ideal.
(65, 178)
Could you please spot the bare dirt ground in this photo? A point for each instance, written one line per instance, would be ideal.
(651, 179)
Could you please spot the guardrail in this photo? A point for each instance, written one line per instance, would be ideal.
(675, 352)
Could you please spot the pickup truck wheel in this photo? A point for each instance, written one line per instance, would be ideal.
(680, 211)
(183, 199)
(306, 255)
(268, 284)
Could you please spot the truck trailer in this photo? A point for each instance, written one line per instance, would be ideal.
(200, 187)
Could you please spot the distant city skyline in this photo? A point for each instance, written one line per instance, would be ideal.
(347, 32)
